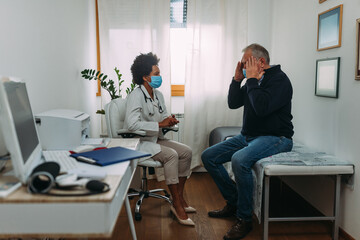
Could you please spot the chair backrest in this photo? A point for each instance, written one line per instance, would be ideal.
(115, 116)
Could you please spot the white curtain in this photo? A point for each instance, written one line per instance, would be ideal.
(216, 35)
(128, 28)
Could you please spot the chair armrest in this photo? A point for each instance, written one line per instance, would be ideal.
(125, 133)
(174, 128)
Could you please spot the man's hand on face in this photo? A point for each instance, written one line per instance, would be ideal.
(253, 68)
(239, 76)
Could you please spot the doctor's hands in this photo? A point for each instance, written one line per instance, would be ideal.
(168, 122)
(253, 68)
(239, 76)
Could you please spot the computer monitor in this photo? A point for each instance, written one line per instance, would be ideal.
(18, 126)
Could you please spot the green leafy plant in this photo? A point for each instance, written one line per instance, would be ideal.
(129, 90)
(107, 84)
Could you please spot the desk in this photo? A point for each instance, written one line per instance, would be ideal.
(27, 215)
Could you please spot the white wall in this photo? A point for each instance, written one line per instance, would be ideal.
(48, 43)
(330, 125)
(259, 24)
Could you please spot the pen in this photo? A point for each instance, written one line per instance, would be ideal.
(85, 159)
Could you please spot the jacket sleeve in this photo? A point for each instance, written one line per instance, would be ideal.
(266, 100)
(236, 95)
(133, 117)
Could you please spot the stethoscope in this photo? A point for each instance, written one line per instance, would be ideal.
(159, 105)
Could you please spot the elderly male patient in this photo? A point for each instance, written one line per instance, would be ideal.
(267, 130)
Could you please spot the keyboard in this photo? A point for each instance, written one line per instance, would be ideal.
(62, 158)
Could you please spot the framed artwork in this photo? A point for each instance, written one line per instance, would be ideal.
(321, 1)
(327, 77)
(329, 28)
(357, 70)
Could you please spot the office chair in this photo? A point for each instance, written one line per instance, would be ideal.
(115, 117)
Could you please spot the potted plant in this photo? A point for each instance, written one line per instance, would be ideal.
(107, 84)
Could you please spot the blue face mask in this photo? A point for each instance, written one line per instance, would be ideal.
(244, 72)
(155, 81)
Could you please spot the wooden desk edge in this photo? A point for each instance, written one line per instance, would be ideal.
(21, 195)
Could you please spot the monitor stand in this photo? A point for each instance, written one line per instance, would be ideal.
(8, 182)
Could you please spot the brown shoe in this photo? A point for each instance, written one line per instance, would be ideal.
(239, 230)
(227, 211)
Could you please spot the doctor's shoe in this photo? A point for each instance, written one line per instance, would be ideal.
(187, 222)
(227, 211)
(189, 209)
(239, 230)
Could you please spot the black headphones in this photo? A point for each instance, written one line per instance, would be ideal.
(43, 179)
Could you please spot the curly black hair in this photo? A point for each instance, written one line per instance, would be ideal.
(142, 66)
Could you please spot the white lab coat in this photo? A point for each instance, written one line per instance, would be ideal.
(144, 115)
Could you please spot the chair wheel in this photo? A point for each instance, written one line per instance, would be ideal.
(138, 216)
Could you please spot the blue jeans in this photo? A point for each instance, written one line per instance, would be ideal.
(243, 152)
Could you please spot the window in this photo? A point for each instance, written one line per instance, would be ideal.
(178, 10)
(178, 19)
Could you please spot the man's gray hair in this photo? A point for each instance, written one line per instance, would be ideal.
(258, 51)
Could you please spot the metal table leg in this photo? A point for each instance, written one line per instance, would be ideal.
(266, 208)
(130, 218)
(337, 207)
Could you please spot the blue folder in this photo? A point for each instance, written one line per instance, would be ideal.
(109, 156)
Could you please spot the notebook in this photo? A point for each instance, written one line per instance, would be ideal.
(109, 156)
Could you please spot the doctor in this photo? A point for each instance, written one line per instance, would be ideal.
(146, 111)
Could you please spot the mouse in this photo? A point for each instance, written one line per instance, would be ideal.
(83, 148)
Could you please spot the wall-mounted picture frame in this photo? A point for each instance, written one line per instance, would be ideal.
(330, 28)
(357, 70)
(321, 1)
(327, 77)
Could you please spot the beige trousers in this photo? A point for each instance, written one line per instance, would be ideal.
(176, 159)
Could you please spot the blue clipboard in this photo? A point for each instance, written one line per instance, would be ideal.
(107, 156)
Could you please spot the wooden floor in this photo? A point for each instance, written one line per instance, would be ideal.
(202, 193)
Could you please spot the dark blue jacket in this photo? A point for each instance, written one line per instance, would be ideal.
(267, 107)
